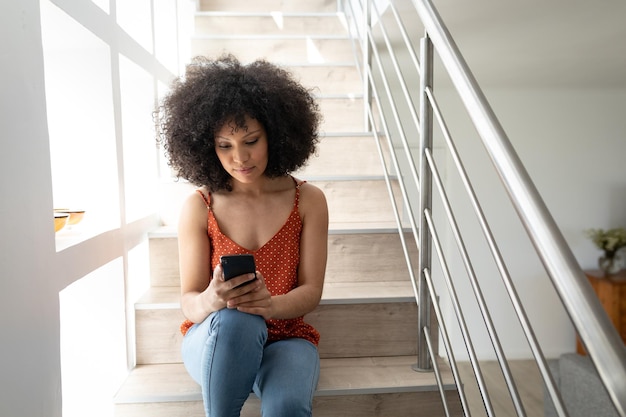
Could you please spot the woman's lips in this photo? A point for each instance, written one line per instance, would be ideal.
(244, 170)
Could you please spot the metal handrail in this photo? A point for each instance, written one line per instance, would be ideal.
(603, 343)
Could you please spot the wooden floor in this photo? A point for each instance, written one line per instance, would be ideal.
(527, 379)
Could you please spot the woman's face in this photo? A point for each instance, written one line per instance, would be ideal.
(242, 150)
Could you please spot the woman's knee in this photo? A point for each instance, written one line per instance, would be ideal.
(232, 326)
(243, 327)
(287, 404)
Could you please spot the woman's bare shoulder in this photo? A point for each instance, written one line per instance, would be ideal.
(312, 200)
(194, 209)
(311, 190)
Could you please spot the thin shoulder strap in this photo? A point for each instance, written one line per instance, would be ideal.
(298, 184)
(206, 198)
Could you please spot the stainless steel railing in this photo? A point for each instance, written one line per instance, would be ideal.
(392, 115)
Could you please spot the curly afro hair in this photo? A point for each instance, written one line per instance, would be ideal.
(214, 92)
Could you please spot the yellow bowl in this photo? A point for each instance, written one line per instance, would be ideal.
(75, 216)
(60, 220)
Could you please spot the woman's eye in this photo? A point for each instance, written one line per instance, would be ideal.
(252, 142)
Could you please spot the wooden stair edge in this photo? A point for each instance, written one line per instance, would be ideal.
(262, 37)
(160, 383)
(334, 293)
(226, 13)
(313, 7)
(337, 228)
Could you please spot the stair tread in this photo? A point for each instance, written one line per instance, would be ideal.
(247, 6)
(296, 14)
(277, 48)
(342, 376)
(334, 293)
(169, 231)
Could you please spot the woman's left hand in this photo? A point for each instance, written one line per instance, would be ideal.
(257, 300)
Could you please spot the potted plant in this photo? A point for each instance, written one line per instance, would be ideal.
(610, 242)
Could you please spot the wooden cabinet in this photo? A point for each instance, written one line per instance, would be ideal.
(611, 291)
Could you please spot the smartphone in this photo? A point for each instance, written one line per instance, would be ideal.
(235, 265)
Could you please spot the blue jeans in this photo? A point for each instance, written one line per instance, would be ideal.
(228, 356)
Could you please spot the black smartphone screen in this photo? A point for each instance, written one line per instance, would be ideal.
(235, 265)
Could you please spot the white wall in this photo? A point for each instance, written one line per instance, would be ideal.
(34, 265)
(31, 380)
(573, 144)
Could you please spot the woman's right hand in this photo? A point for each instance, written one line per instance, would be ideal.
(219, 291)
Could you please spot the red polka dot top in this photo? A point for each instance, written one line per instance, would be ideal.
(277, 260)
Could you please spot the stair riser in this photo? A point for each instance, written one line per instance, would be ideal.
(262, 6)
(344, 328)
(301, 50)
(329, 79)
(349, 330)
(342, 115)
(361, 330)
(367, 258)
(358, 201)
(268, 25)
(164, 265)
(158, 337)
(350, 259)
(409, 404)
(338, 156)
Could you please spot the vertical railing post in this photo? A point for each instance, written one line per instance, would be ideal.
(425, 202)
(367, 63)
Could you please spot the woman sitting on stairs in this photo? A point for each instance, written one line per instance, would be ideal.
(237, 132)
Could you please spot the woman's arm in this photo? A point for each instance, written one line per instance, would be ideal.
(312, 268)
(194, 259)
(199, 297)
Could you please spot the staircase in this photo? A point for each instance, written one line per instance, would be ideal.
(367, 317)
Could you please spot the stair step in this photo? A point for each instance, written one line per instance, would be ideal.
(329, 79)
(261, 6)
(331, 160)
(334, 293)
(349, 315)
(274, 23)
(349, 257)
(359, 387)
(358, 201)
(303, 49)
(342, 114)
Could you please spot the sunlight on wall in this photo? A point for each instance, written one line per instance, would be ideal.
(165, 34)
(92, 316)
(278, 19)
(135, 17)
(139, 145)
(165, 172)
(80, 120)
